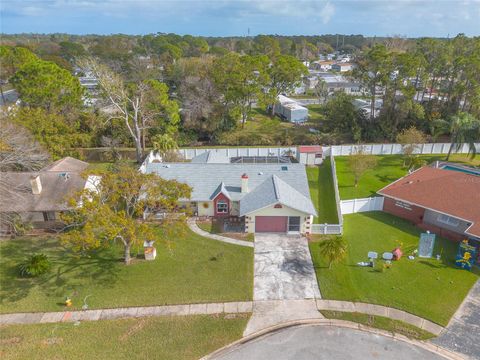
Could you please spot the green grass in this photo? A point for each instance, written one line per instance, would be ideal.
(176, 338)
(425, 287)
(193, 269)
(320, 181)
(380, 322)
(389, 168)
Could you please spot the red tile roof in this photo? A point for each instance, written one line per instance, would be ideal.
(310, 149)
(451, 192)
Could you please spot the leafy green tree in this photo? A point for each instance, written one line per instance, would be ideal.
(334, 249)
(59, 137)
(374, 69)
(360, 162)
(46, 85)
(71, 50)
(284, 73)
(343, 117)
(164, 144)
(110, 211)
(463, 128)
(411, 139)
(240, 80)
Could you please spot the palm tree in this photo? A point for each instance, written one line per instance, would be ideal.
(334, 249)
(463, 128)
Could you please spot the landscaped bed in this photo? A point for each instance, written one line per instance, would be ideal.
(179, 338)
(322, 193)
(215, 227)
(389, 168)
(193, 269)
(425, 287)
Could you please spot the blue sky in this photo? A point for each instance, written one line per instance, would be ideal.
(234, 17)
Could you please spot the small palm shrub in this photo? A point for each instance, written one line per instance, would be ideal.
(35, 265)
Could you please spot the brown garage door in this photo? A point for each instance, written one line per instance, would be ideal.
(271, 223)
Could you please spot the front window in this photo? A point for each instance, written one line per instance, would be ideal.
(222, 207)
(294, 223)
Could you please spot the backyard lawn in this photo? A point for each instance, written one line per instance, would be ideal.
(389, 168)
(183, 337)
(426, 287)
(193, 269)
(322, 193)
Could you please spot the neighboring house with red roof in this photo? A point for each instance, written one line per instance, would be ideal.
(442, 200)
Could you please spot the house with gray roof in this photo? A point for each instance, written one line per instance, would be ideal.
(267, 197)
(39, 197)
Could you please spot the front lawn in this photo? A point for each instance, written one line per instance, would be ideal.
(193, 269)
(389, 168)
(320, 182)
(176, 338)
(426, 287)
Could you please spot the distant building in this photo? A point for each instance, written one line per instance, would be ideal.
(343, 67)
(322, 65)
(290, 110)
(341, 83)
(364, 105)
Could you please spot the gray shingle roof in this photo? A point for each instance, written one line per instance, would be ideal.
(272, 191)
(211, 157)
(67, 164)
(206, 179)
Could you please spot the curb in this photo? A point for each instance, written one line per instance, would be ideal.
(447, 354)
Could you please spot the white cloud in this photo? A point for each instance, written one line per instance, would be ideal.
(327, 12)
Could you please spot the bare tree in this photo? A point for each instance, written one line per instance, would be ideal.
(139, 105)
(18, 152)
(360, 162)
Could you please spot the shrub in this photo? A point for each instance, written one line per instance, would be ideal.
(35, 265)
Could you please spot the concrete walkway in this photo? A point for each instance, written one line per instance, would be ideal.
(463, 332)
(192, 224)
(128, 312)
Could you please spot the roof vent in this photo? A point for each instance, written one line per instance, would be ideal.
(284, 168)
(260, 173)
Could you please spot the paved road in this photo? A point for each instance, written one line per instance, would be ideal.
(283, 268)
(463, 333)
(319, 342)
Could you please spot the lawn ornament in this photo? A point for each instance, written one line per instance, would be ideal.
(466, 255)
(68, 302)
(397, 253)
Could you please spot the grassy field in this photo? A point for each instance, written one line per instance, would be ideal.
(176, 338)
(265, 130)
(426, 287)
(389, 168)
(193, 269)
(322, 193)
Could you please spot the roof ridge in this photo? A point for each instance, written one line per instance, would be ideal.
(275, 187)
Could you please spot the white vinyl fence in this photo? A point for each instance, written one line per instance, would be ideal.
(242, 151)
(331, 228)
(394, 149)
(361, 205)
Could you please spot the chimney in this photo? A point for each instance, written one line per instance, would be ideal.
(244, 183)
(36, 185)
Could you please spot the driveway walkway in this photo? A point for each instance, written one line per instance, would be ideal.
(463, 332)
(284, 283)
(283, 268)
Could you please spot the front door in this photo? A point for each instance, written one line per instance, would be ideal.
(294, 224)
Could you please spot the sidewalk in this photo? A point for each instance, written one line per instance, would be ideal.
(129, 312)
(192, 224)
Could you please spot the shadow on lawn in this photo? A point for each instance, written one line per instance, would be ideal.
(68, 272)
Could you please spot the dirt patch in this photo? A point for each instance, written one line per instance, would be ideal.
(52, 341)
(11, 341)
(133, 330)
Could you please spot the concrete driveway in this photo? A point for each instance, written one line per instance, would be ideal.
(463, 332)
(283, 268)
(329, 343)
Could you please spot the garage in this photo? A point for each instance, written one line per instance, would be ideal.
(276, 224)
